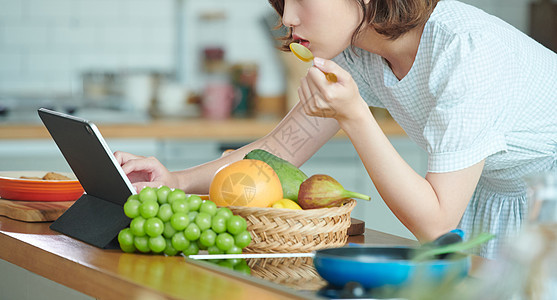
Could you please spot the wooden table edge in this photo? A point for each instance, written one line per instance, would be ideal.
(98, 283)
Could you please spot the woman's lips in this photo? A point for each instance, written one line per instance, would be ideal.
(300, 40)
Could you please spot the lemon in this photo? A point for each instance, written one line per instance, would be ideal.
(286, 203)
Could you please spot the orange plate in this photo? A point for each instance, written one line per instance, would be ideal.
(12, 187)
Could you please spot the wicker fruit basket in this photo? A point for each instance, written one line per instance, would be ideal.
(285, 230)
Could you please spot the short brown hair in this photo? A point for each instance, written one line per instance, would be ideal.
(391, 18)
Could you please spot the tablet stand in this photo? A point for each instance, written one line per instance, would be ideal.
(94, 221)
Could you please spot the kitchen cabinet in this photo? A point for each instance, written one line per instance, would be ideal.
(31, 155)
(179, 154)
(21, 284)
(44, 155)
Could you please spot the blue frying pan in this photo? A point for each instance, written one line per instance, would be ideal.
(374, 267)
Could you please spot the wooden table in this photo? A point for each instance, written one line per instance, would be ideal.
(112, 274)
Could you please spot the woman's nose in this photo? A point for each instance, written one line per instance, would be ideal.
(289, 15)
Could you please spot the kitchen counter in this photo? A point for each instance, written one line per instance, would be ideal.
(187, 128)
(116, 275)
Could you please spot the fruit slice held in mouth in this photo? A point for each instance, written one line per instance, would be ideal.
(305, 55)
(301, 52)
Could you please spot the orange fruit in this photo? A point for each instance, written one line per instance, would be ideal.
(246, 182)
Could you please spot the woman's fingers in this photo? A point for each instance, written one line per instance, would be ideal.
(312, 95)
(142, 165)
(133, 166)
(145, 171)
(123, 157)
(321, 98)
(322, 92)
(329, 66)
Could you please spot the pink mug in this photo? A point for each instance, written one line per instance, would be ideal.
(217, 100)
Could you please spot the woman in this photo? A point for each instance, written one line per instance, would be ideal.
(478, 95)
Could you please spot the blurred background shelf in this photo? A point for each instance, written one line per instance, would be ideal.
(232, 129)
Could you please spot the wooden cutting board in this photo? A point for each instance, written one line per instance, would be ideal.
(33, 211)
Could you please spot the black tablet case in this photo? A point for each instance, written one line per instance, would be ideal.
(98, 215)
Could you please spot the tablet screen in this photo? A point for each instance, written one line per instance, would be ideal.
(89, 156)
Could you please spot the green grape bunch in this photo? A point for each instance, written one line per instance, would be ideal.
(170, 222)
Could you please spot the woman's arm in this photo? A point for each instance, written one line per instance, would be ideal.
(428, 206)
(296, 138)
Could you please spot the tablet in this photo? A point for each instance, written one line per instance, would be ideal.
(97, 216)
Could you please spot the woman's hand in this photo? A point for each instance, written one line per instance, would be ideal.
(145, 171)
(340, 100)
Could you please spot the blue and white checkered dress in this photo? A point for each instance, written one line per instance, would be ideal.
(478, 89)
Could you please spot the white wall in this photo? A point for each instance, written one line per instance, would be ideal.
(46, 44)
